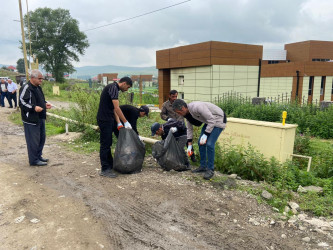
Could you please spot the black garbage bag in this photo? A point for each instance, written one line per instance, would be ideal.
(169, 154)
(129, 153)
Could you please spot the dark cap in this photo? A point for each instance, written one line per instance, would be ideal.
(154, 128)
(145, 109)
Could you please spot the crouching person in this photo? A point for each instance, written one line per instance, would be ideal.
(214, 119)
(177, 128)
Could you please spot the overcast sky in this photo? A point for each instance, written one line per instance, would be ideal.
(271, 23)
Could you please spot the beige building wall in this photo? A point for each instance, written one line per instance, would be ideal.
(148, 84)
(305, 90)
(316, 89)
(275, 87)
(208, 83)
(328, 88)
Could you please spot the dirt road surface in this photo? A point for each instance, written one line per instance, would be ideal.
(67, 205)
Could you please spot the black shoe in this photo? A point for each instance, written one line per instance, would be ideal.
(193, 158)
(108, 173)
(209, 174)
(199, 170)
(43, 159)
(39, 163)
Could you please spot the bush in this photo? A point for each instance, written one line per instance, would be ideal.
(86, 106)
(309, 118)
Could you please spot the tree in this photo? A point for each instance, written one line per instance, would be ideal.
(20, 66)
(58, 40)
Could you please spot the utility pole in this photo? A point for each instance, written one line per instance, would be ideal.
(23, 44)
(30, 51)
(140, 89)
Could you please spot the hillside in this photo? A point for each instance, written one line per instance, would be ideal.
(8, 73)
(92, 71)
(87, 72)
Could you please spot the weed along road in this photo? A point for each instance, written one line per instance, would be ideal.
(67, 205)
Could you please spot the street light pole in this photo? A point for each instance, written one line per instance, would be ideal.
(23, 44)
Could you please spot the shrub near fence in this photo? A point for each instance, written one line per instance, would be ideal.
(308, 117)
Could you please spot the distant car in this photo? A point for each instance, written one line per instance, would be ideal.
(51, 80)
(4, 77)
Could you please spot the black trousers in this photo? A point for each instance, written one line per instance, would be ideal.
(11, 97)
(106, 130)
(35, 138)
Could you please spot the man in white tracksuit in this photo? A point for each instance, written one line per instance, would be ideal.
(214, 119)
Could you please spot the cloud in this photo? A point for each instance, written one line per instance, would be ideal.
(134, 42)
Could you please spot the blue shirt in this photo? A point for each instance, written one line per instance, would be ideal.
(11, 87)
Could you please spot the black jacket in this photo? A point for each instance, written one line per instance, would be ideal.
(6, 84)
(30, 97)
(181, 129)
(131, 114)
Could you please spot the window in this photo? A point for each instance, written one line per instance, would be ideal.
(320, 60)
(310, 85)
(323, 80)
(332, 88)
(272, 62)
(180, 80)
(181, 95)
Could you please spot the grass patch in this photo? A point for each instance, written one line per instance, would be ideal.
(50, 126)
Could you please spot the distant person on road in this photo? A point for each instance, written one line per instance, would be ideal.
(12, 88)
(3, 92)
(132, 114)
(109, 114)
(33, 112)
(214, 119)
(167, 113)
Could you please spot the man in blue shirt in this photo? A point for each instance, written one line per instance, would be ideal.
(12, 88)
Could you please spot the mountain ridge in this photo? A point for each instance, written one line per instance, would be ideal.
(86, 72)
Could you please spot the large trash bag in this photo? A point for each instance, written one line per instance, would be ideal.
(169, 154)
(129, 153)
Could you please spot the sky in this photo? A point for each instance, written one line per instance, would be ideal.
(271, 23)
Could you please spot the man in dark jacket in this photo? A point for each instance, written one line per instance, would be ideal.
(3, 92)
(167, 113)
(176, 127)
(132, 114)
(109, 114)
(33, 112)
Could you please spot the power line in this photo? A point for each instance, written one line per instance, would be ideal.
(144, 14)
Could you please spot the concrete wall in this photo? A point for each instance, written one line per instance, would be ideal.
(207, 83)
(269, 138)
(275, 87)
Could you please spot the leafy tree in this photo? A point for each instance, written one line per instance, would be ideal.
(20, 66)
(58, 40)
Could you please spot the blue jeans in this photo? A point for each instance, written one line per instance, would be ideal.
(3, 96)
(207, 151)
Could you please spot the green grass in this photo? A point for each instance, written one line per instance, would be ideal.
(50, 128)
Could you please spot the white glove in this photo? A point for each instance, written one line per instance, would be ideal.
(140, 138)
(173, 129)
(119, 126)
(189, 150)
(203, 139)
(127, 125)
